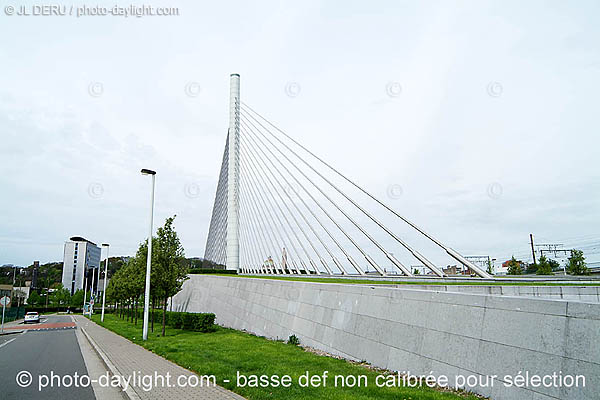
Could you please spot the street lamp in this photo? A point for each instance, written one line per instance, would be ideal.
(149, 257)
(105, 276)
(92, 291)
(84, 285)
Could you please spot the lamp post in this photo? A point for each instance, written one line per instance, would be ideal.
(105, 277)
(84, 286)
(92, 292)
(149, 257)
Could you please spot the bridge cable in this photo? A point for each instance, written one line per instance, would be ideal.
(269, 244)
(252, 239)
(278, 245)
(417, 255)
(367, 257)
(393, 259)
(291, 214)
(260, 162)
(360, 228)
(336, 262)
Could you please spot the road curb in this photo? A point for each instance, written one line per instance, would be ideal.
(129, 392)
(12, 332)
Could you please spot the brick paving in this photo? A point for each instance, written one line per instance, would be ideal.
(133, 360)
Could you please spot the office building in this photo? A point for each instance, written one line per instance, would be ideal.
(80, 255)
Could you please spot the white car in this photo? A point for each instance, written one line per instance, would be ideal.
(32, 317)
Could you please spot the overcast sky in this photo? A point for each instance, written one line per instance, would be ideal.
(477, 119)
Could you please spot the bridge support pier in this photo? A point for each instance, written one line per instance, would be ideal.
(233, 176)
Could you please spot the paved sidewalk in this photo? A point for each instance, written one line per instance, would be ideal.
(13, 323)
(127, 359)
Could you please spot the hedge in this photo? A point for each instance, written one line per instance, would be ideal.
(212, 271)
(46, 310)
(201, 322)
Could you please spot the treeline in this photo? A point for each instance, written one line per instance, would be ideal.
(50, 274)
(576, 265)
(168, 272)
(60, 298)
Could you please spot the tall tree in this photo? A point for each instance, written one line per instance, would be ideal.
(168, 272)
(576, 264)
(514, 267)
(489, 269)
(544, 266)
(35, 299)
(76, 300)
(61, 296)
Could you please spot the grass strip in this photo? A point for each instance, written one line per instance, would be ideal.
(392, 282)
(226, 351)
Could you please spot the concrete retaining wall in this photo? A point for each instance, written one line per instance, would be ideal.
(420, 331)
(587, 294)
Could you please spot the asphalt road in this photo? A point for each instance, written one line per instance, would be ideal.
(4, 339)
(42, 353)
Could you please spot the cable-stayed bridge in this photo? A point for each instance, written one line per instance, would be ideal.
(281, 209)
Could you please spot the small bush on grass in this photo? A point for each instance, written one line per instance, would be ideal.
(293, 340)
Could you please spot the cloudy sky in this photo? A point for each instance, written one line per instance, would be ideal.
(476, 119)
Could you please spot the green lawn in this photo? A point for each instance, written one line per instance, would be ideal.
(224, 352)
(391, 282)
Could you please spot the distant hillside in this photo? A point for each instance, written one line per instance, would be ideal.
(50, 274)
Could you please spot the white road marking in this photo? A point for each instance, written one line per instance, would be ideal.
(7, 342)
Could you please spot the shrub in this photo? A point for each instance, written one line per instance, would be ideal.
(514, 267)
(576, 263)
(212, 271)
(544, 267)
(174, 319)
(293, 340)
(532, 268)
(188, 321)
(44, 310)
(200, 322)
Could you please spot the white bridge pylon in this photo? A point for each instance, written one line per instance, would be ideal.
(281, 209)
